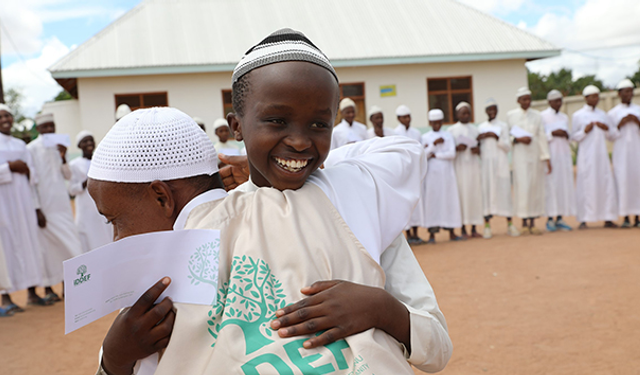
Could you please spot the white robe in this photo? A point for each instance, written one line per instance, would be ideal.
(92, 227)
(371, 132)
(440, 203)
(496, 173)
(469, 176)
(5, 281)
(416, 216)
(559, 188)
(18, 223)
(626, 160)
(595, 187)
(343, 133)
(59, 238)
(528, 164)
(412, 133)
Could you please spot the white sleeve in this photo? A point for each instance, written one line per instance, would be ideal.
(578, 134)
(5, 173)
(374, 185)
(613, 133)
(77, 179)
(66, 172)
(430, 343)
(448, 151)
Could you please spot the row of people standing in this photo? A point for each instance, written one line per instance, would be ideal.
(540, 181)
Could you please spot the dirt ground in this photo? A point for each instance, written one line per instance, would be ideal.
(561, 303)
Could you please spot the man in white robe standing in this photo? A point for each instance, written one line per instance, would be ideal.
(377, 120)
(93, 229)
(18, 228)
(468, 169)
(560, 189)
(348, 130)
(595, 186)
(626, 154)
(58, 233)
(530, 156)
(495, 144)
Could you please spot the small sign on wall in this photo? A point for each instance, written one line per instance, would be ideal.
(387, 90)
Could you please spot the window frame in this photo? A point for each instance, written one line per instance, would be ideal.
(449, 92)
(141, 97)
(230, 104)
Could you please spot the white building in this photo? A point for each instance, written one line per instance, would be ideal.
(422, 53)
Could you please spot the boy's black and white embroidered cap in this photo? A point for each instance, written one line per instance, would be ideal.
(282, 45)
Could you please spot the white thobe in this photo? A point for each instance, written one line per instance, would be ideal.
(5, 281)
(626, 159)
(595, 188)
(559, 187)
(59, 238)
(496, 173)
(440, 202)
(528, 166)
(416, 216)
(92, 227)
(468, 175)
(343, 133)
(371, 132)
(18, 223)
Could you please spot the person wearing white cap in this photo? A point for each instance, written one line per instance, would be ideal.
(560, 197)
(122, 110)
(18, 228)
(626, 153)
(403, 113)
(495, 145)
(348, 130)
(468, 169)
(93, 229)
(440, 200)
(200, 123)
(377, 120)
(222, 131)
(530, 157)
(596, 197)
(58, 233)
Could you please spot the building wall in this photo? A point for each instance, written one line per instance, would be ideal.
(200, 94)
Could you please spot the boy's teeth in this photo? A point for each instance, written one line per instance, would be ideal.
(292, 165)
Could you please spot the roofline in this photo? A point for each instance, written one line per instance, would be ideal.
(210, 68)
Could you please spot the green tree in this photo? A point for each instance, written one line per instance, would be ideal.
(635, 78)
(62, 95)
(537, 85)
(561, 80)
(14, 98)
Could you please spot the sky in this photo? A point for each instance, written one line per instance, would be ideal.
(600, 37)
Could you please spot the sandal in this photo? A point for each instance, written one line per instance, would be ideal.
(13, 308)
(431, 241)
(39, 302)
(52, 297)
(5, 313)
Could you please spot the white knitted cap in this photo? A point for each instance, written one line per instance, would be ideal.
(625, 84)
(346, 103)
(522, 91)
(403, 110)
(151, 144)
(122, 111)
(219, 123)
(554, 94)
(44, 118)
(490, 103)
(374, 109)
(462, 105)
(436, 115)
(198, 120)
(590, 90)
(82, 135)
(4, 107)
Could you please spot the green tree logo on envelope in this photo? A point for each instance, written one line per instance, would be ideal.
(83, 276)
(249, 300)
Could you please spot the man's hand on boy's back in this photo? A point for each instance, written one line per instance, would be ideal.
(139, 331)
(341, 309)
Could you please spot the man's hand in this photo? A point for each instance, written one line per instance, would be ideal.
(84, 184)
(475, 150)
(438, 141)
(42, 220)
(431, 156)
(524, 140)
(341, 309)
(18, 166)
(549, 169)
(560, 133)
(63, 153)
(588, 128)
(461, 147)
(602, 126)
(236, 171)
(139, 331)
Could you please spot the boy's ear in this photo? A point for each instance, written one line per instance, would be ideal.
(163, 196)
(236, 127)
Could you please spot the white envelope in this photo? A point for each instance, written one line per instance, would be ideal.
(518, 132)
(469, 142)
(114, 276)
(54, 139)
(491, 129)
(229, 151)
(550, 128)
(7, 156)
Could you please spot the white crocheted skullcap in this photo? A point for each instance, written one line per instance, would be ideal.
(462, 105)
(522, 91)
(44, 118)
(219, 123)
(590, 90)
(374, 110)
(159, 143)
(403, 110)
(82, 135)
(281, 45)
(490, 102)
(198, 120)
(4, 107)
(122, 111)
(554, 94)
(346, 103)
(436, 115)
(625, 84)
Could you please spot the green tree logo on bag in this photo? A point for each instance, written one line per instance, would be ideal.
(249, 300)
(83, 275)
(203, 264)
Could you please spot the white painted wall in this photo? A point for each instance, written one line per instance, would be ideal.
(66, 115)
(200, 94)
